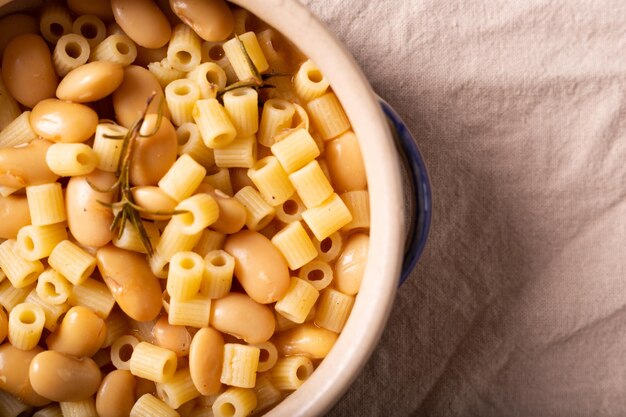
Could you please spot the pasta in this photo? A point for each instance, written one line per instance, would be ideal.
(145, 210)
(72, 262)
(20, 271)
(271, 180)
(328, 116)
(164, 72)
(258, 212)
(83, 408)
(298, 302)
(242, 108)
(45, 203)
(185, 275)
(37, 242)
(117, 48)
(71, 159)
(327, 218)
(210, 77)
(235, 402)
(291, 372)
(183, 178)
(309, 82)
(181, 96)
(218, 274)
(295, 245)
(333, 310)
(150, 406)
(94, 295)
(18, 131)
(53, 288)
(91, 28)
(276, 117)
(190, 142)
(26, 322)
(178, 390)
(311, 184)
(215, 126)
(10, 406)
(241, 49)
(152, 362)
(240, 365)
(183, 51)
(55, 21)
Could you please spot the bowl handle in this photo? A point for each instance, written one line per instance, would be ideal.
(417, 192)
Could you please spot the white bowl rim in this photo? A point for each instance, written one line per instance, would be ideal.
(373, 304)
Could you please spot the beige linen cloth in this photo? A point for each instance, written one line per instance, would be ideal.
(518, 306)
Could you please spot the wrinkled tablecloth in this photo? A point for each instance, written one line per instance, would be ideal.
(518, 306)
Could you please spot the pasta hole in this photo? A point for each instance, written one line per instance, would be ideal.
(264, 355)
(82, 159)
(218, 261)
(216, 53)
(290, 207)
(183, 56)
(187, 263)
(73, 50)
(279, 106)
(122, 48)
(57, 29)
(27, 317)
(228, 409)
(187, 219)
(212, 77)
(182, 90)
(315, 76)
(126, 351)
(169, 368)
(326, 245)
(50, 289)
(302, 373)
(183, 137)
(28, 243)
(315, 275)
(89, 30)
(241, 92)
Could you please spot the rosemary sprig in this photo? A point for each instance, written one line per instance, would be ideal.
(125, 208)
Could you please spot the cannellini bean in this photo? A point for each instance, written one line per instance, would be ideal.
(232, 214)
(153, 155)
(153, 199)
(88, 219)
(142, 21)
(144, 386)
(61, 377)
(14, 365)
(205, 360)
(14, 25)
(259, 266)
(100, 8)
(116, 395)
(14, 214)
(26, 165)
(135, 288)
(305, 340)
(90, 82)
(350, 266)
(130, 98)
(62, 121)
(345, 163)
(27, 69)
(81, 333)
(175, 338)
(240, 316)
(212, 20)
